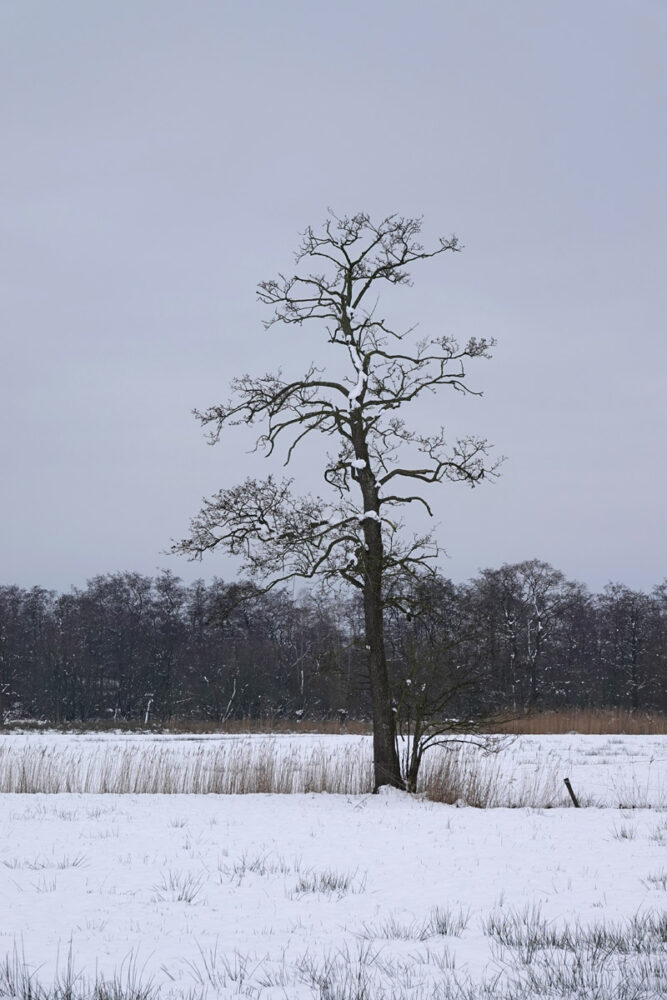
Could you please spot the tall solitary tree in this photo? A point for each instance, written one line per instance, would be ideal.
(378, 464)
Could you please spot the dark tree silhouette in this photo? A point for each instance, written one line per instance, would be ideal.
(380, 464)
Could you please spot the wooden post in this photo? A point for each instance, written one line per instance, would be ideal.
(571, 791)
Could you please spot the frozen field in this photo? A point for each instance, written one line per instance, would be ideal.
(341, 897)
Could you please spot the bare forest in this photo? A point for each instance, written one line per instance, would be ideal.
(139, 649)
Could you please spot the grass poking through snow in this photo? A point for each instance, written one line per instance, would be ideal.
(534, 959)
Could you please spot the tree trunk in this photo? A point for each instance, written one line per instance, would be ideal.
(532, 698)
(385, 754)
(415, 760)
(634, 673)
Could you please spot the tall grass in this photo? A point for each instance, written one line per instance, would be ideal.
(466, 777)
(240, 767)
(229, 767)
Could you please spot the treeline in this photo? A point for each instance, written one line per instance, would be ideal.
(131, 647)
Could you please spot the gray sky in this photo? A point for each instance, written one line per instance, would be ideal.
(159, 158)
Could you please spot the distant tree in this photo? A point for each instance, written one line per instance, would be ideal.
(380, 464)
(624, 629)
(11, 601)
(656, 666)
(210, 696)
(571, 674)
(531, 599)
(492, 601)
(168, 645)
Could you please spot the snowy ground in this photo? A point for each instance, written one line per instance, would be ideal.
(300, 896)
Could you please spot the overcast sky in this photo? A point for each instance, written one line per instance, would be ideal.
(159, 158)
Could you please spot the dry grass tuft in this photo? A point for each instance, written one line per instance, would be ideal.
(467, 777)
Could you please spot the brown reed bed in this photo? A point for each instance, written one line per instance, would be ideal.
(264, 726)
(590, 721)
(593, 721)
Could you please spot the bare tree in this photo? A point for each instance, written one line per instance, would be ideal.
(379, 464)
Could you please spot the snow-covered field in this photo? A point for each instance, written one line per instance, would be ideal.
(343, 897)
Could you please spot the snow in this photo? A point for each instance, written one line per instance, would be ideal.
(362, 378)
(358, 463)
(102, 874)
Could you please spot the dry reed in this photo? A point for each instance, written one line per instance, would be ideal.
(247, 766)
(591, 721)
(264, 726)
(466, 777)
(231, 767)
